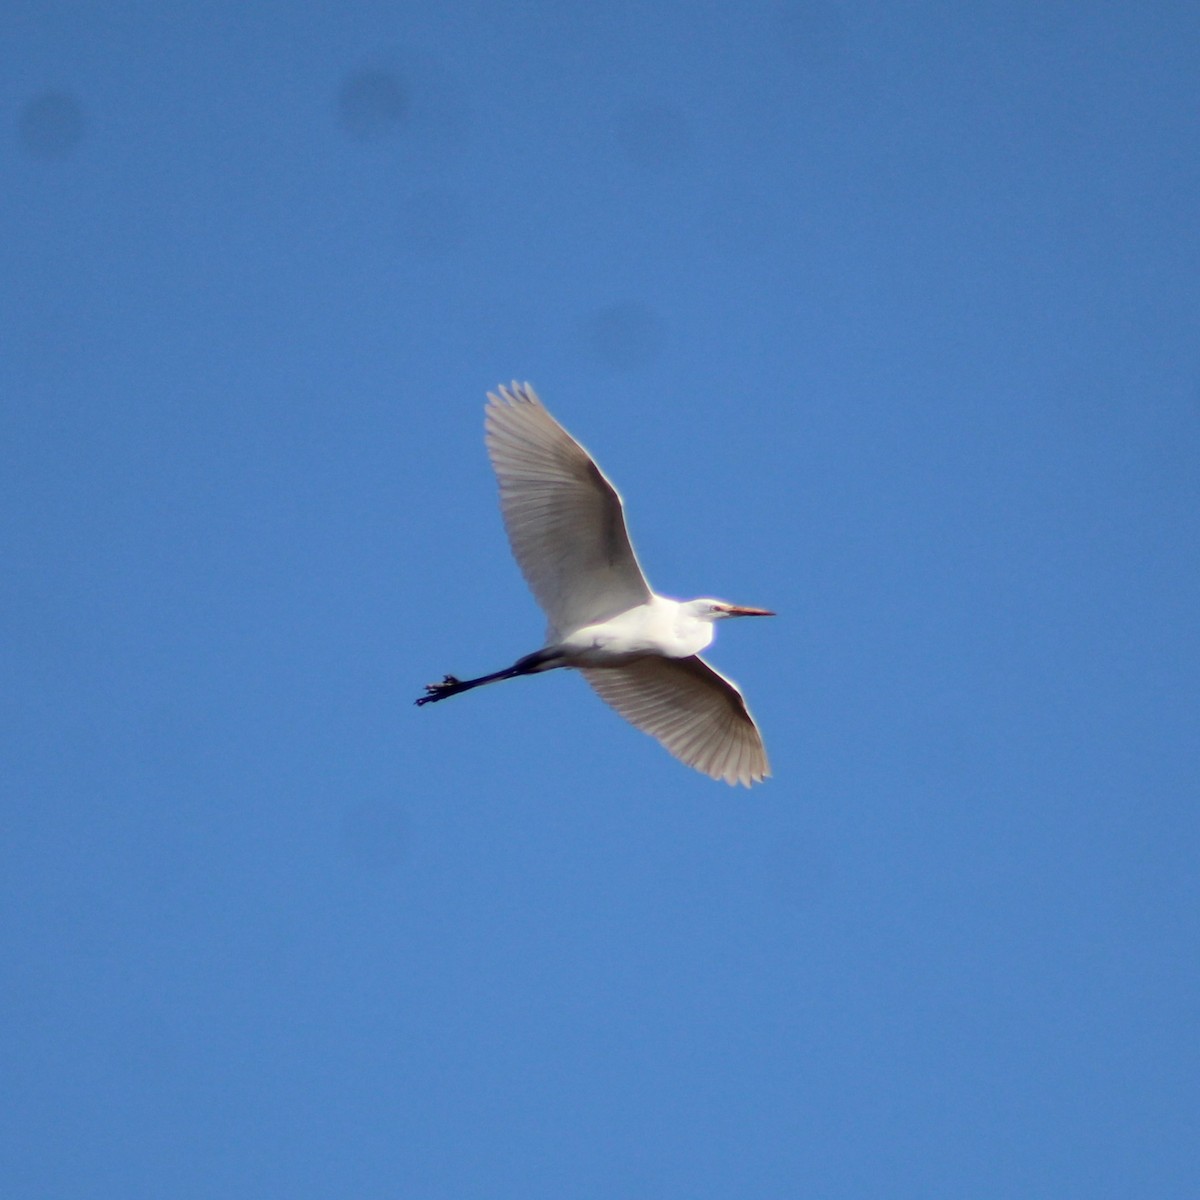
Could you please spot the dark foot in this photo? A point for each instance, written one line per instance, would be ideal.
(439, 691)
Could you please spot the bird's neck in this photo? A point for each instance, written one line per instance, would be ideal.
(692, 632)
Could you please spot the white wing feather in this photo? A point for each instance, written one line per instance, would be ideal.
(564, 519)
(697, 714)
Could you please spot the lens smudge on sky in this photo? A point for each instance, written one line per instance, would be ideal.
(51, 126)
(881, 317)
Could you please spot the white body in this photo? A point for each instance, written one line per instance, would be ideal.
(663, 627)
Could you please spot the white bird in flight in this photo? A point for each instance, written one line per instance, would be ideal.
(638, 650)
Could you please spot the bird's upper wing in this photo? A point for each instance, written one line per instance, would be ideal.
(564, 519)
(695, 712)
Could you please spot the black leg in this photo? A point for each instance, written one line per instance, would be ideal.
(539, 660)
(451, 686)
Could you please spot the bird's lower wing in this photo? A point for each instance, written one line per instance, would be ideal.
(564, 519)
(695, 712)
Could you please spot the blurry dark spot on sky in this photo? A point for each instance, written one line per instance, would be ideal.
(626, 337)
(885, 316)
(51, 126)
(654, 137)
(371, 104)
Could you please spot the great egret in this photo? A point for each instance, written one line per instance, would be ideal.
(638, 650)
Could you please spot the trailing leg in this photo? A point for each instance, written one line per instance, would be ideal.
(539, 660)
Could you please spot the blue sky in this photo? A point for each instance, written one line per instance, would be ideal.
(883, 316)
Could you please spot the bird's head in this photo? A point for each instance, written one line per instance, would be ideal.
(707, 609)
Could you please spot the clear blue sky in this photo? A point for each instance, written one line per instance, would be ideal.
(885, 316)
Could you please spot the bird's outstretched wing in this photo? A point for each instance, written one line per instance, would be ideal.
(695, 712)
(564, 519)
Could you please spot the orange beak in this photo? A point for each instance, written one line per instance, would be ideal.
(739, 610)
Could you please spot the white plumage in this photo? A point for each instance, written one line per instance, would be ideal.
(694, 711)
(638, 650)
(564, 519)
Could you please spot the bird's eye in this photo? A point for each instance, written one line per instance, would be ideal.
(715, 608)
